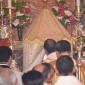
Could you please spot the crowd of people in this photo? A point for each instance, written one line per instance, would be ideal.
(57, 67)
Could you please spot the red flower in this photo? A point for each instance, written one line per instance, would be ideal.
(71, 18)
(61, 9)
(61, 13)
(25, 9)
(60, 6)
(13, 11)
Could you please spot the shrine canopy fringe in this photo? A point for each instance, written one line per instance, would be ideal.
(46, 26)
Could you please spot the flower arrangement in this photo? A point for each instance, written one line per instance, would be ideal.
(22, 18)
(63, 13)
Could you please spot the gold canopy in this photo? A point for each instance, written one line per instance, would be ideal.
(45, 26)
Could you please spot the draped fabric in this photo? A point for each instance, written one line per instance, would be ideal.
(44, 26)
(33, 54)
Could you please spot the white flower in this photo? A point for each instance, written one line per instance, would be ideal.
(19, 14)
(16, 22)
(60, 17)
(68, 12)
(67, 21)
(55, 7)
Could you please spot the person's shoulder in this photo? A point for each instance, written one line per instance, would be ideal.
(68, 80)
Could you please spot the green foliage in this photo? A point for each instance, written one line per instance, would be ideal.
(26, 17)
(62, 21)
(23, 17)
(20, 17)
(55, 12)
(20, 26)
(17, 5)
(1, 39)
(62, 1)
(20, 31)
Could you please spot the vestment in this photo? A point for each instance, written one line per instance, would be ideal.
(68, 80)
(49, 58)
(7, 73)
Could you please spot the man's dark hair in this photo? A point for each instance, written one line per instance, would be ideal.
(50, 45)
(46, 70)
(64, 65)
(63, 46)
(5, 53)
(32, 78)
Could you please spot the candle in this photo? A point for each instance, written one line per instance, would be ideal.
(78, 8)
(9, 3)
(78, 11)
(79, 54)
(78, 2)
(10, 12)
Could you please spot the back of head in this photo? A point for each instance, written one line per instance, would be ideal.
(50, 45)
(32, 78)
(63, 46)
(39, 67)
(46, 70)
(5, 53)
(64, 65)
